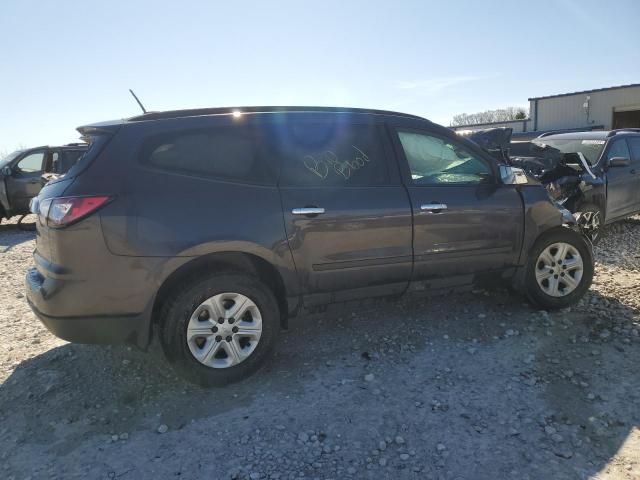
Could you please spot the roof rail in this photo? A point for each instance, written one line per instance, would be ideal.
(622, 130)
(75, 144)
(261, 109)
(545, 134)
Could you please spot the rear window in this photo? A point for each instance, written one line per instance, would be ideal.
(331, 154)
(227, 153)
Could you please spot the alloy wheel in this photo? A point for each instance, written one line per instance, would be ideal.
(559, 269)
(224, 330)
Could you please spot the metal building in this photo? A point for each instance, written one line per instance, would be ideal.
(598, 109)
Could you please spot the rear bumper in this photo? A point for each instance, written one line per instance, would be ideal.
(103, 329)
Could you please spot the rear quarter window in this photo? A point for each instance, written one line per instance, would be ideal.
(66, 160)
(97, 142)
(227, 153)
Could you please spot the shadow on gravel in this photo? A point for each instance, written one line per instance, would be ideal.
(74, 392)
(11, 235)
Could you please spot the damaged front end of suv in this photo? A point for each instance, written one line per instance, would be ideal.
(567, 167)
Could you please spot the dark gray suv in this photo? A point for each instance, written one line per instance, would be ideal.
(218, 225)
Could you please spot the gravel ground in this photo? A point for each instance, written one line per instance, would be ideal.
(476, 386)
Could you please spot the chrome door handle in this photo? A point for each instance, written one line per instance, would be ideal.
(308, 211)
(433, 207)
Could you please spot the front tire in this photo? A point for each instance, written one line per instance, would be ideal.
(559, 269)
(220, 329)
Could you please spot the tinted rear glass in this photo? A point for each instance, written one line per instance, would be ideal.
(96, 143)
(331, 154)
(227, 153)
(66, 160)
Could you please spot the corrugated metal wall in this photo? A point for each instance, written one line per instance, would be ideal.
(568, 111)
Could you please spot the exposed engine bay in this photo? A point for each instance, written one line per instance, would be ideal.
(564, 167)
(568, 176)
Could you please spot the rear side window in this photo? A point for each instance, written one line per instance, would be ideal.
(227, 153)
(67, 160)
(331, 154)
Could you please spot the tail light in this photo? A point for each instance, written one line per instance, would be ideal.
(60, 212)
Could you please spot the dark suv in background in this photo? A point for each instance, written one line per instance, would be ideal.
(593, 174)
(23, 172)
(217, 225)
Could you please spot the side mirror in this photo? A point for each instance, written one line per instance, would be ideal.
(619, 162)
(6, 171)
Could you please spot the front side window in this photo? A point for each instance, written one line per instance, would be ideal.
(331, 154)
(31, 163)
(434, 160)
(634, 143)
(227, 153)
(618, 148)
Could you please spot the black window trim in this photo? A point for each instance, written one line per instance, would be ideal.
(405, 170)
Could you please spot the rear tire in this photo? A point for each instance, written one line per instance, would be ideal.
(202, 339)
(559, 269)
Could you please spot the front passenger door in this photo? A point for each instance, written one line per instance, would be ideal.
(24, 182)
(465, 220)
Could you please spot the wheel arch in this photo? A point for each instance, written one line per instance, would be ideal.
(519, 276)
(220, 261)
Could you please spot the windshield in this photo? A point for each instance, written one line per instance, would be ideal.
(9, 158)
(591, 149)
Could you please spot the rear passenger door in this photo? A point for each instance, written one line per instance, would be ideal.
(465, 220)
(347, 216)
